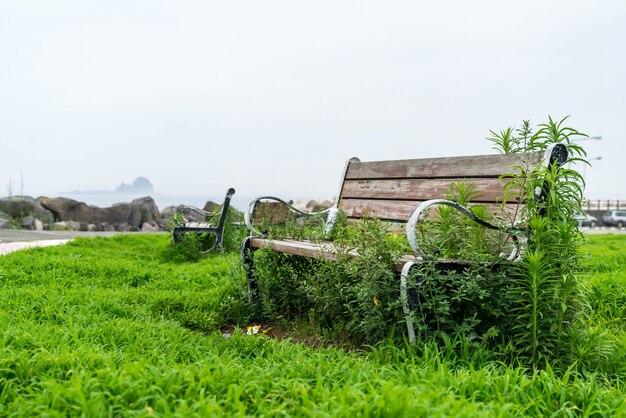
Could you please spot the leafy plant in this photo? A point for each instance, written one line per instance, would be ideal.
(545, 292)
(353, 296)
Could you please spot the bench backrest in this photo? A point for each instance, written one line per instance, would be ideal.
(390, 190)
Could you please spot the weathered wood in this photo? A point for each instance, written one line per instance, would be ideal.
(300, 248)
(326, 250)
(388, 210)
(449, 167)
(486, 189)
(399, 210)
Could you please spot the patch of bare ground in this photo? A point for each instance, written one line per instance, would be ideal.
(295, 334)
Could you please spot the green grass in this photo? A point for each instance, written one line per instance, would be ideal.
(110, 327)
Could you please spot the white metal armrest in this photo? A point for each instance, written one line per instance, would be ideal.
(330, 220)
(421, 208)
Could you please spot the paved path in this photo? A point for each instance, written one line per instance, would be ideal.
(18, 239)
(20, 235)
(9, 247)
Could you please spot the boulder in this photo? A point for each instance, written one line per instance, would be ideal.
(311, 204)
(300, 204)
(59, 226)
(210, 206)
(326, 203)
(317, 205)
(32, 223)
(5, 221)
(73, 226)
(134, 214)
(123, 227)
(65, 209)
(21, 206)
(121, 213)
(149, 227)
(148, 210)
(105, 226)
(167, 213)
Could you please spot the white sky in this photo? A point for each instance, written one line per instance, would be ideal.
(271, 97)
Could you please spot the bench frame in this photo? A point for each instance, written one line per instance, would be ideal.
(555, 154)
(203, 227)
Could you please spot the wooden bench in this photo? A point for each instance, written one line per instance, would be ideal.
(187, 226)
(400, 192)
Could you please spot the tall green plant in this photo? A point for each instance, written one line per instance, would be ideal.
(545, 291)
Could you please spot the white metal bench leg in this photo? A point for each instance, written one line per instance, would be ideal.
(405, 300)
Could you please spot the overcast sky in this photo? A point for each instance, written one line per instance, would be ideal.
(272, 97)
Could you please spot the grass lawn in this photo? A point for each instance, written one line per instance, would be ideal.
(110, 327)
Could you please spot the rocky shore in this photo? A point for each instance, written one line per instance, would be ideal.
(64, 214)
(60, 213)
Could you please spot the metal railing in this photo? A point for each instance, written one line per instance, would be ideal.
(599, 204)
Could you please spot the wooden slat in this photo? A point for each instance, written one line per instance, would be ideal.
(390, 210)
(327, 251)
(299, 248)
(449, 167)
(396, 210)
(488, 190)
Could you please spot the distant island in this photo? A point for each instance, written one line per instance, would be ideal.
(141, 185)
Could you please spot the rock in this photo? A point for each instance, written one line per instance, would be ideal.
(122, 213)
(149, 227)
(133, 214)
(167, 212)
(123, 227)
(190, 215)
(317, 205)
(300, 204)
(105, 226)
(210, 206)
(20, 206)
(73, 225)
(59, 226)
(148, 210)
(65, 209)
(5, 221)
(92, 227)
(166, 215)
(311, 204)
(32, 223)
